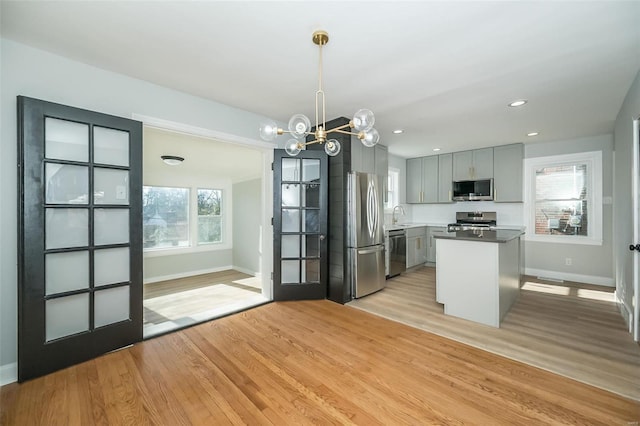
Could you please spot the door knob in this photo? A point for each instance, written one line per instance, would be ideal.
(636, 247)
(322, 237)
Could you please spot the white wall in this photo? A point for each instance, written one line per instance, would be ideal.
(35, 73)
(246, 226)
(623, 208)
(589, 263)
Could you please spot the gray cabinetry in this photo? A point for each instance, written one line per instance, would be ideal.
(507, 179)
(431, 242)
(416, 246)
(445, 177)
(370, 160)
(471, 165)
(422, 180)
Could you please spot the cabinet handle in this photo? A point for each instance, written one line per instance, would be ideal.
(495, 194)
(449, 196)
(419, 240)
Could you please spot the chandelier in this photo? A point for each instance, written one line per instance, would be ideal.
(300, 125)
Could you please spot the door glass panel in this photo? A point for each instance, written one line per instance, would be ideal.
(66, 271)
(66, 184)
(290, 220)
(290, 271)
(111, 305)
(66, 228)
(311, 170)
(312, 270)
(311, 221)
(291, 246)
(291, 195)
(66, 140)
(111, 266)
(110, 146)
(111, 226)
(311, 195)
(312, 246)
(66, 316)
(291, 169)
(110, 186)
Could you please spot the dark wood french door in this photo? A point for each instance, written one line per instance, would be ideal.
(80, 235)
(300, 225)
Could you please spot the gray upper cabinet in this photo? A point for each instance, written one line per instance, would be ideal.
(422, 180)
(445, 177)
(370, 160)
(507, 182)
(471, 165)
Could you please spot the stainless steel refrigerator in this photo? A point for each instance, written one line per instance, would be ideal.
(365, 234)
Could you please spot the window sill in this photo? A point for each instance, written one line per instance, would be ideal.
(175, 251)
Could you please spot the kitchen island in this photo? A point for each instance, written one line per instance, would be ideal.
(478, 273)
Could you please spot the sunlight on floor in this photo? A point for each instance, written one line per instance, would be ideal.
(546, 288)
(606, 296)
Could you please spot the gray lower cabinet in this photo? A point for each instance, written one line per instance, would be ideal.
(416, 246)
(431, 242)
(507, 180)
(471, 165)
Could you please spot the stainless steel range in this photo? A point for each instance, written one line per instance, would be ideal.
(466, 221)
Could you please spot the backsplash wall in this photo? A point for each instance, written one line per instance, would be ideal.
(509, 214)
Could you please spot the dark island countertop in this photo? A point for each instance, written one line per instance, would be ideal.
(490, 236)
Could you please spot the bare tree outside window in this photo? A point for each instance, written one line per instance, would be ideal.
(165, 217)
(209, 216)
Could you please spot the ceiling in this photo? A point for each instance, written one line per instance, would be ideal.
(204, 158)
(442, 71)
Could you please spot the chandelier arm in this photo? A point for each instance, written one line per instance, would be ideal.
(344, 126)
(312, 142)
(344, 132)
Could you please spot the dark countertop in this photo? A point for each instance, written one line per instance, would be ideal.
(493, 236)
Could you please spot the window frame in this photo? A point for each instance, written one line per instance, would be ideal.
(593, 161)
(393, 194)
(189, 228)
(221, 216)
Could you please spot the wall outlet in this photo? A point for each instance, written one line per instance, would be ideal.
(568, 261)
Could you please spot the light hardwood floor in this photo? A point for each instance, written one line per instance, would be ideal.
(567, 328)
(173, 304)
(312, 362)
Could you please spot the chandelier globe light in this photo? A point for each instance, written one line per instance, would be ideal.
(361, 125)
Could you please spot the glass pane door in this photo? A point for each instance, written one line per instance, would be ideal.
(80, 254)
(300, 224)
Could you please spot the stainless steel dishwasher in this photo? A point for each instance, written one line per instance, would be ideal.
(397, 252)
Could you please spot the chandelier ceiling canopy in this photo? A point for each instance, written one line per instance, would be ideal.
(361, 125)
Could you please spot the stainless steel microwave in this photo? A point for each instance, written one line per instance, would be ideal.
(473, 190)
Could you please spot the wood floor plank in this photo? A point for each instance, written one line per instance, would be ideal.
(308, 362)
(581, 338)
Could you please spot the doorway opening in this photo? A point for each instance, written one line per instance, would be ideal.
(204, 227)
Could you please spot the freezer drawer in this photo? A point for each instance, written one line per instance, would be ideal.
(367, 270)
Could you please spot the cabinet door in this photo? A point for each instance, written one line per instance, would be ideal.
(462, 165)
(421, 257)
(430, 179)
(411, 251)
(356, 155)
(445, 177)
(431, 242)
(507, 181)
(482, 167)
(414, 180)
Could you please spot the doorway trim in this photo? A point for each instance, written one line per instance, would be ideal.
(266, 235)
(636, 228)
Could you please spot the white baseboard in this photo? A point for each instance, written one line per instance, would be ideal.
(186, 274)
(587, 279)
(8, 373)
(246, 271)
(625, 311)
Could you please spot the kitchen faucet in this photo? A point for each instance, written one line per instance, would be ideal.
(393, 214)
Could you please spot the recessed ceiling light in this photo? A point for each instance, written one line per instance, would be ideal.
(436, 149)
(533, 134)
(518, 103)
(398, 131)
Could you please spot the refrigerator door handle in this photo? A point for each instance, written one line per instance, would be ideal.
(371, 250)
